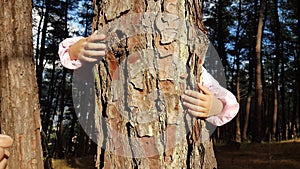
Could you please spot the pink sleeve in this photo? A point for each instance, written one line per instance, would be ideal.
(230, 104)
(63, 52)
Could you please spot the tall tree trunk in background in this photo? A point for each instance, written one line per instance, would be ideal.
(37, 47)
(284, 112)
(284, 123)
(220, 34)
(237, 55)
(39, 71)
(297, 64)
(251, 36)
(87, 18)
(20, 111)
(259, 89)
(41, 55)
(249, 98)
(247, 111)
(58, 152)
(46, 117)
(157, 49)
(278, 55)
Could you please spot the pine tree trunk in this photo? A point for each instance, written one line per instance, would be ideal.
(259, 87)
(220, 34)
(157, 49)
(252, 63)
(297, 66)
(238, 137)
(276, 69)
(42, 52)
(20, 112)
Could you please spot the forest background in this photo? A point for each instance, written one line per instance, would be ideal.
(266, 84)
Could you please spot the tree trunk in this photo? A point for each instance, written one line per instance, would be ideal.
(41, 55)
(297, 66)
(259, 88)
(37, 46)
(284, 122)
(20, 111)
(156, 51)
(248, 109)
(220, 34)
(238, 73)
(59, 152)
(51, 94)
(276, 69)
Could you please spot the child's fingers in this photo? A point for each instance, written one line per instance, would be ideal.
(96, 36)
(197, 114)
(192, 93)
(5, 141)
(3, 163)
(2, 153)
(88, 59)
(94, 46)
(204, 89)
(6, 153)
(190, 99)
(196, 95)
(194, 107)
(91, 53)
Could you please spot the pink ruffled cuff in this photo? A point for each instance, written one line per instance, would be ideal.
(230, 104)
(63, 52)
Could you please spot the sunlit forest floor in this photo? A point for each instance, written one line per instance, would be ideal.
(74, 163)
(283, 155)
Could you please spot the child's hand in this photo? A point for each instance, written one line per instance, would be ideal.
(201, 104)
(90, 49)
(5, 142)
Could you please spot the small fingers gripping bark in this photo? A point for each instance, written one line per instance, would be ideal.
(90, 49)
(198, 103)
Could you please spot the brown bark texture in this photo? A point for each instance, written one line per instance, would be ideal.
(20, 113)
(156, 51)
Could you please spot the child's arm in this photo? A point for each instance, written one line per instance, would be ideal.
(74, 52)
(202, 104)
(220, 105)
(216, 104)
(64, 56)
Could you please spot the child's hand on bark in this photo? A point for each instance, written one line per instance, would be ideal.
(201, 104)
(90, 49)
(5, 142)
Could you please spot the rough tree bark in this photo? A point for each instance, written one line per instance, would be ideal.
(157, 49)
(20, 116)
